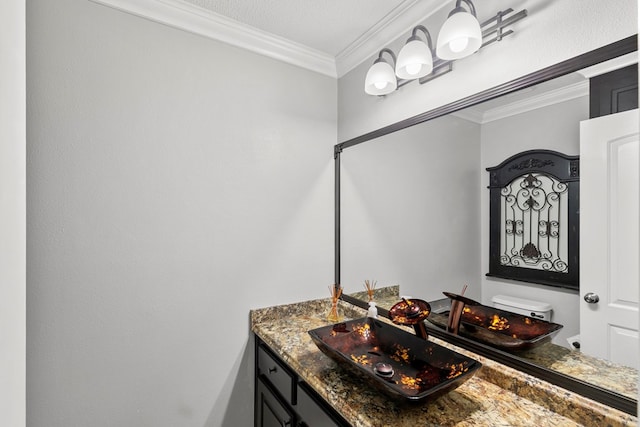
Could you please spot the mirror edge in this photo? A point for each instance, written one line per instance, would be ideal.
(596, 56)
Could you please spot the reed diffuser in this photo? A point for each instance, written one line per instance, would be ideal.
(370, 286)
(336, 291)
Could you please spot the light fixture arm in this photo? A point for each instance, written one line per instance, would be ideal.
(390, 52)
(459, 8)
(414, 35)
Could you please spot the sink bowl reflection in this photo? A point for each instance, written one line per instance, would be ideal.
(499, 328)
(393, 360)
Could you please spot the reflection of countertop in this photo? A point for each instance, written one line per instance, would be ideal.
(621, 379)
(496, 395)
(617, 378)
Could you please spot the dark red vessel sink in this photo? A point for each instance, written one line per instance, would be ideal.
(393, 360)
(499, 328)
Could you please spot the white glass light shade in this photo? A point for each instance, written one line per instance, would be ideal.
(380, 79)
(414, 60)
(460, 36)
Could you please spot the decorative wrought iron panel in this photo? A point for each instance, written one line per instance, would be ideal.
(534, 218)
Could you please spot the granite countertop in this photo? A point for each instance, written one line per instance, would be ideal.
(495, 396)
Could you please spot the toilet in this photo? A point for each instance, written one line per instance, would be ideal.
(525, 307)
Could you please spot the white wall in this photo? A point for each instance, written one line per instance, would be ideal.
(553, 31)
(424, 240)
(174, 183)
(12, 213)
(555, 127)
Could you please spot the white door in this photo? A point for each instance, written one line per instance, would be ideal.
(610, 237)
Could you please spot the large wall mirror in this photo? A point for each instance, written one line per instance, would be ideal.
(412, 209)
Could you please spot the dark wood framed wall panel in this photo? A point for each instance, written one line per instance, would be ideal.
(613, 92)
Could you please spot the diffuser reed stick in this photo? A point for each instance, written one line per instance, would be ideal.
(370, 286)
(336, 292)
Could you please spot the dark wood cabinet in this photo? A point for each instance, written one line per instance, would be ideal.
(613, 92)
(311, 411)
(269, 411)
(282, 399)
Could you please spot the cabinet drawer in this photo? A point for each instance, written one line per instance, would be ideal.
(279, 376)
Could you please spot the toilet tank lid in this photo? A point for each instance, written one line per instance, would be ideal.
(523, 303)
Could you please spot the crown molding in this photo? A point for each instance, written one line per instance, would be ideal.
(197, 20)
(394, 25)
(546, 99)
(470, 114)
(556, 96)
(612, 65)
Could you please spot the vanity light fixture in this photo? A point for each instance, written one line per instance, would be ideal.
(415, 59)
(381, 78)
(460, 36)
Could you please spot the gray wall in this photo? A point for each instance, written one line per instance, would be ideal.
(555, 127)
(12, 213)
(408, 210)
(174, 183)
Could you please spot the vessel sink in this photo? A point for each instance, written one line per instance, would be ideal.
(394, 360)
(499, 328)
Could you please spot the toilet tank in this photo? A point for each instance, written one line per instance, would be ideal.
(525, 307)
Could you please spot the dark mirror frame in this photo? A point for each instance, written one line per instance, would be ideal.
(605, 53)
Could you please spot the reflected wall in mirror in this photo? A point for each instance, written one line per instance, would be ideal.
(414, 209)
(410, 209)
(415, 203)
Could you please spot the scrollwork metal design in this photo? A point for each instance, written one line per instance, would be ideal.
(534, 217)
(531, 163)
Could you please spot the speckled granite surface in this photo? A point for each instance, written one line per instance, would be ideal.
(495, 396)
(621, 379)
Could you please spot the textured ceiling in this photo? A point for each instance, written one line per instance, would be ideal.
(329, 26)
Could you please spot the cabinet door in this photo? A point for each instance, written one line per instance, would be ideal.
(311, 411)
(613, 92)
(269, 412)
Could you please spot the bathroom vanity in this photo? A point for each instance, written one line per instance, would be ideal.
(298, 385)
(282, 398)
